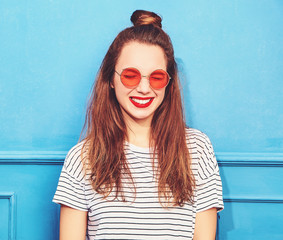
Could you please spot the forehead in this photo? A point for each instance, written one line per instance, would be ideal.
(143, 56)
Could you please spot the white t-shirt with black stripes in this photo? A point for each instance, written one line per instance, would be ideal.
(142, 216)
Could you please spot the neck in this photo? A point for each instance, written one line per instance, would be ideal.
(138, 132)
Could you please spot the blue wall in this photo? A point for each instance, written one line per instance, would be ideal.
(230, 55)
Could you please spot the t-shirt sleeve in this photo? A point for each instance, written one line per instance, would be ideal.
(71, 186)
(208, 182)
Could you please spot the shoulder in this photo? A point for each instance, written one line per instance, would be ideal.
(198, 138)
(203, 152)
(73, 163)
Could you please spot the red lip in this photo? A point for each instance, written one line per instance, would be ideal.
(139, 105)
(143, 98)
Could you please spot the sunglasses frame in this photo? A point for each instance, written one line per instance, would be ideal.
(147, 77)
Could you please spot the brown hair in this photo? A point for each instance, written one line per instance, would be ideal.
(105, 129)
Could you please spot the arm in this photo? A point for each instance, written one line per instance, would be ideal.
(73, 224)
(205, 226)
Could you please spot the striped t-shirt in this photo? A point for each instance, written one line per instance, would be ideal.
(142, 216)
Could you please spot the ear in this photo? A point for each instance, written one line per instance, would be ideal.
(111, 85)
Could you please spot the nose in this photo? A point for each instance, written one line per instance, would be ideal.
(144, 85)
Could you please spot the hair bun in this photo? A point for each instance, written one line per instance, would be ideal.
(142, 17)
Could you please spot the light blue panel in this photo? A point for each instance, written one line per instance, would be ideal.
(245, 221)
(4, 210)
(253, 194)
(252, 182)
(229, 52)
(232, 54)
(8, 215)
(34, 187)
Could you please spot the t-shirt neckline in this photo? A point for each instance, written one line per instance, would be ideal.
(138, 149)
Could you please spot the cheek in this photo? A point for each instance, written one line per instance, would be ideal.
(121, 91)
(115, 81)
(162, 95)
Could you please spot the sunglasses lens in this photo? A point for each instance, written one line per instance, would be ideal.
(130, 77)
(159, 79)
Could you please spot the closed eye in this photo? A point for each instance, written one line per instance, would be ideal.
(157, 78)
(130, 76)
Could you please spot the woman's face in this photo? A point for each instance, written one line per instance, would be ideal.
(139, 103)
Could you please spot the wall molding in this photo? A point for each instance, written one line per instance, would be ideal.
(230, 159)
(32, 157)
(12, 213)
(243, 159)
(252, 200)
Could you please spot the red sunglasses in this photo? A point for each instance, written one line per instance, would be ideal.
(131, 77)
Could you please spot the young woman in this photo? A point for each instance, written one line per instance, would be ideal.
(139, 173)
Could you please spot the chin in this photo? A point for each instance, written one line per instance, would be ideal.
(141, 117)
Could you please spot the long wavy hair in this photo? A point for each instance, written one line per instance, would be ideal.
(105, 129)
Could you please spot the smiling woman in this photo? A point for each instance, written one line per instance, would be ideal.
(140, 173)
(140, 102)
